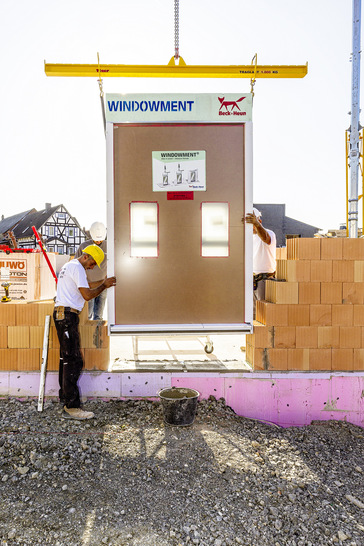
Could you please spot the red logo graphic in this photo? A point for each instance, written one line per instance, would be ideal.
(229, 104)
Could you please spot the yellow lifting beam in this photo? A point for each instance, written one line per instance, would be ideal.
(173, 70)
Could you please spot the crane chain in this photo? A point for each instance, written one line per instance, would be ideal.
(176, 29)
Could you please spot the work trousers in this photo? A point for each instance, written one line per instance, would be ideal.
(70, 361)
(96, 306)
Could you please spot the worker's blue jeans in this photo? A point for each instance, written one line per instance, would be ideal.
(96, 307)
(70, 361)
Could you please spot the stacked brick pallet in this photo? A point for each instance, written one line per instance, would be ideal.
(22, 333)
(313, 316)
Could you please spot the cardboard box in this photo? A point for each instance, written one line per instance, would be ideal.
(320, 315)
(7, 314)
(309, 292)
(320, 359)
(343, 271)
(321, 271)
(272, 314)
(303, 249)
(353, 292)
(353, 249)
(328, 337)
(18, 337)
(26, 314)
(331, 292)
(281, 292)
(284, 337)
(342, 315)
(8, 359)
(342, 359)
(358, 360)
(307, 337)
(298, 359)
(350, 337)
(3, 337)
(331, 249)
(97, 359)
(29, 359)
(299, 315)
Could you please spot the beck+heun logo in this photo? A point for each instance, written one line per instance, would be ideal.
(230, 107)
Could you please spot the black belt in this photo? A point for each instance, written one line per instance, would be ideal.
(69, 309)
(261, 277)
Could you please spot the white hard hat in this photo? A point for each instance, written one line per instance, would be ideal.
(98, 231)
(257, 212)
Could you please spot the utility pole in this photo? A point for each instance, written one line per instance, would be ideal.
(354, 129)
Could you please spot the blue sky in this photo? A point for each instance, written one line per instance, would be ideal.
(52, 141)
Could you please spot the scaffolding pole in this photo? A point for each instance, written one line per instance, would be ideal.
(354, 130)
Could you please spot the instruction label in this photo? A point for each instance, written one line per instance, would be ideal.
(179, 171)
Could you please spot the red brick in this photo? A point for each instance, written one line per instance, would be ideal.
(320, 359)
(342, 315)
(320, 315)
(350, 337)
(309, 292)
(307, 337)
(328, 337)
(342, 359)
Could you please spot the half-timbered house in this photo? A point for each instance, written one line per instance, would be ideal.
(60, 232)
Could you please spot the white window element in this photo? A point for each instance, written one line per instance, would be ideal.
(144, 230)
(215, 229)
(51, 230)
(60, 249)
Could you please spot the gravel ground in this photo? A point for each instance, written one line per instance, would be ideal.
(127, 479)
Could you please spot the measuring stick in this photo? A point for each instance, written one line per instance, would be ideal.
(44, 252)
(43, 368)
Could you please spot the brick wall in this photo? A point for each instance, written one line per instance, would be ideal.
(313, 316)
(22, 333)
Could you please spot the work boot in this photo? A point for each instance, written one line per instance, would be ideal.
(76, 413)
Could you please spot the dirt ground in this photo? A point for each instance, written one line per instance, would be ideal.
(126, 478)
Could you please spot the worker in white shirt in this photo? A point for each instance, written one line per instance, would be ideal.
(264, 254)
(72, 292)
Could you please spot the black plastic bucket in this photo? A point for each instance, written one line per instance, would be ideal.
(179, 405)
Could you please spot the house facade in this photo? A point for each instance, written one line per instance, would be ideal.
(59, 231)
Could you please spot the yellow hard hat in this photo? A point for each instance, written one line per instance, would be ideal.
(96, 252)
